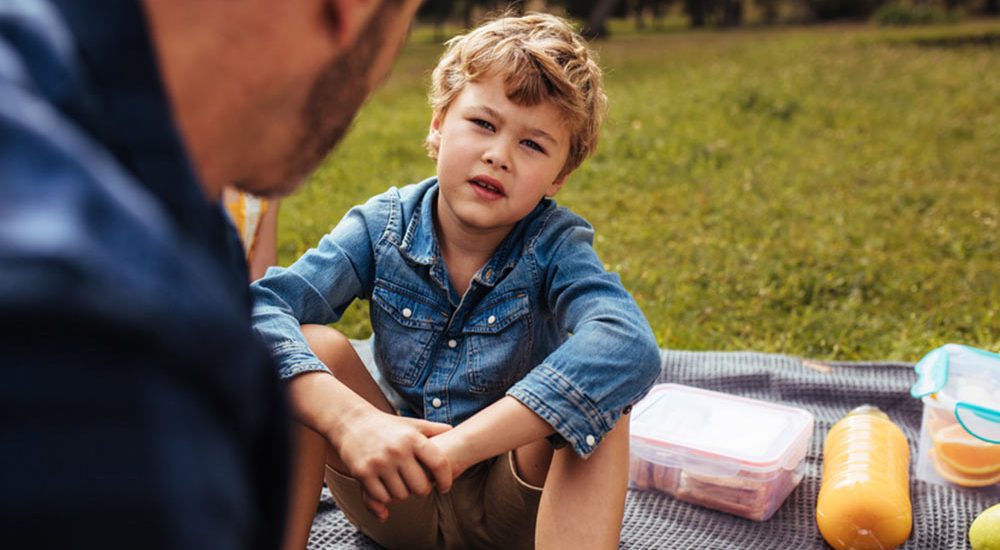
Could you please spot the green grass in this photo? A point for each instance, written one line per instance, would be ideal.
(831, 192)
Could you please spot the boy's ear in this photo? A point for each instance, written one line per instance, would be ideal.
(434, 134)
(556, 186)
(348, 18)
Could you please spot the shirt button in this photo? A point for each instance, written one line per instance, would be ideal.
(436, 403)
(452, 343)
(407, 312)
(591, 440)
(491, 320)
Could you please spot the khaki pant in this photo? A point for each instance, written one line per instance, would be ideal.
(489, 506)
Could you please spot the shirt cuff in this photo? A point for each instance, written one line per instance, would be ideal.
(574, 416)
(295, 358)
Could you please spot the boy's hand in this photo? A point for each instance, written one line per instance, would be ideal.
(452, 445)
(392, 457)
(506, 424)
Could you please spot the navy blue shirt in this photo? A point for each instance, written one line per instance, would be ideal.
(137, 408)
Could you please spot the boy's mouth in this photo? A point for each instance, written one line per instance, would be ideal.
(487, 186)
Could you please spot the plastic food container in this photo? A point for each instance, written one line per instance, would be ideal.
(960, 432)
(729, 453)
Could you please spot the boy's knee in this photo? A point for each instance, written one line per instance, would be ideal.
(327, 343)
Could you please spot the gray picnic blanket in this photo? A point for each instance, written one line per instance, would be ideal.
(941, 515)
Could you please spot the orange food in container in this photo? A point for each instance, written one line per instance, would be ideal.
(734, 454)
(864, 497)
(960, 434)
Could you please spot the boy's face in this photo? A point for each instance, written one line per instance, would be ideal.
(495, 159)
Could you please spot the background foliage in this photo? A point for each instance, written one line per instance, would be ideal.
(594, 14)
(830, 192)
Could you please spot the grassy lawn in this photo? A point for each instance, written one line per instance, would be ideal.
(830, 192)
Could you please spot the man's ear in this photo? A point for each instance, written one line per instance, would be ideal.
(434, 134)
(348, 18)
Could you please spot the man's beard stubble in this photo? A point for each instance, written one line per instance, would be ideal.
(335, 99)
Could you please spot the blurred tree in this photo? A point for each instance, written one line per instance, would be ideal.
(697, 10)
(640, 8)
(467, 10)
(437, 13)
(597, 19)
(843, 9)
(722, 13)
(577, 9)
(595, 13)
(515, 6)
(732, 13)
(769, 10)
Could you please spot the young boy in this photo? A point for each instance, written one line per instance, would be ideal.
(493, 412)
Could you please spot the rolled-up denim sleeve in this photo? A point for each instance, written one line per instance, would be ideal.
(611, 357)
(319, 286)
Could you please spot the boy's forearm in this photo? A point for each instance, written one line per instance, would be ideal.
(323, 403)
(504, 425)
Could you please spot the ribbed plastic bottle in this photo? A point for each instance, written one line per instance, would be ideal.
(864, 497)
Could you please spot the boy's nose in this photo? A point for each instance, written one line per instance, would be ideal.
(495, 160)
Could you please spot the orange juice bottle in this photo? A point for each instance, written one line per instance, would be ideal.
(864, 498)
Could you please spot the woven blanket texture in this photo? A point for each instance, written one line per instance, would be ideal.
(941, 515)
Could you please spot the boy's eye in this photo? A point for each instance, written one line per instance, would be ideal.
(533, 145)
(482, 124)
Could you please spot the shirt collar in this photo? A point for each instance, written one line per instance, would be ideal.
(420, 240)
(511, 249)
(420, 243)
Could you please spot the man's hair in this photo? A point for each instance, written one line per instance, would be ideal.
(540, 58)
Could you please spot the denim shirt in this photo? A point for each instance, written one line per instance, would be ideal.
(542, 321)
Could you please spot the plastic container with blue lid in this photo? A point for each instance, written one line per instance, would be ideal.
(960, 433)
(734, 454)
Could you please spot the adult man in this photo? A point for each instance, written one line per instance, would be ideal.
(136, 408)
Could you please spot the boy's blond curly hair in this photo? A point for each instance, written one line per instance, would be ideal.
(539, 57)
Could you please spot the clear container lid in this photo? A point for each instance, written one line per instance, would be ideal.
(965, 380)
(719, 429)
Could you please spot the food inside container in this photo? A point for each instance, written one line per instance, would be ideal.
(734, 454)
(960, 433)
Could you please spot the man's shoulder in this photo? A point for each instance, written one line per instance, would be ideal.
(91, 261)
(78, 231)
(63, 187)
(73, 208)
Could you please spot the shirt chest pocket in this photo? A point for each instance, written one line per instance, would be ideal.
(499, 342)
(405, 325)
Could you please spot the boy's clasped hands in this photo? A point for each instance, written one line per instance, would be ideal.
(394, 457)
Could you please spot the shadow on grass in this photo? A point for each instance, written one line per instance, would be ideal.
(980, 40)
